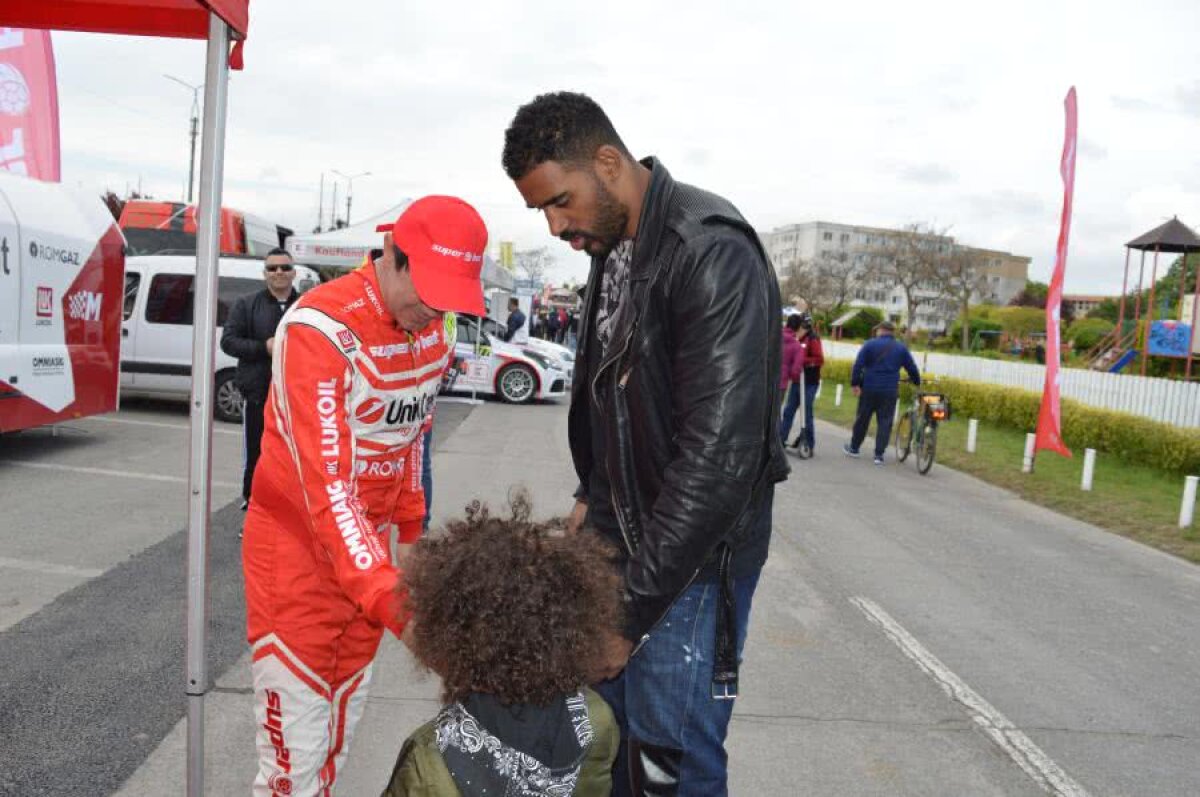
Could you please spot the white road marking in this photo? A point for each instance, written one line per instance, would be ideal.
(185, 427)
(1031, 758)
(126, 474)
(49, 568)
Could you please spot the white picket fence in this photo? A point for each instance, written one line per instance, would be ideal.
(1167, 400)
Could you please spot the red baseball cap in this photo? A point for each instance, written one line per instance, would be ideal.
(444, 239)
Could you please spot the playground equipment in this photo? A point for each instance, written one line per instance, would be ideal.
(1140, 336)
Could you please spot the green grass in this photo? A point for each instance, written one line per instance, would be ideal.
(1136, 501)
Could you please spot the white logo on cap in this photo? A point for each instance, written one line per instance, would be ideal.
(470, 257)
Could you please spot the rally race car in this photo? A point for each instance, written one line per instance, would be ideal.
(517, 373)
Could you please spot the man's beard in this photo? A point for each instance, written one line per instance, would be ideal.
(612, 219)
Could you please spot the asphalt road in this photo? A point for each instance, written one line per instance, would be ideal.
(911, 635)
(92, 593)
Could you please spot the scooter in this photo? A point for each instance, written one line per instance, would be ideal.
(799, 447)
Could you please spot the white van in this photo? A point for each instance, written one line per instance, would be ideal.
(156, 334)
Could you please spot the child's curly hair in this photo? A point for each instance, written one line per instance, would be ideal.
(511, 608)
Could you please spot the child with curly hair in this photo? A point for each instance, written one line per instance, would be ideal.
(512, 615)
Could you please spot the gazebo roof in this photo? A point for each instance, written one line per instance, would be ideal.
(1173, 236)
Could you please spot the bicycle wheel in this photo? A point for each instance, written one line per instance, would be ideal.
(904, 435)
(927, 447)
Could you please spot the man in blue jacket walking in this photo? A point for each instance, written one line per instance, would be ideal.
(875, 380)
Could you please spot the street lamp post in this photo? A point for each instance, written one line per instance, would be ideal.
(194, 131)
(350, 178)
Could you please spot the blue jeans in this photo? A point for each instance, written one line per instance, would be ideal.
(664, 695)
(427, 474)
(810, 395)
(791, 403)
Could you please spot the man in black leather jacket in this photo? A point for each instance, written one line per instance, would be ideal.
(249, 335)
(673, 426)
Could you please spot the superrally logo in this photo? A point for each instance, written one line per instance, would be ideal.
(84, 305)
(388, 351)
(274, 728)
(53, 253)
(470, 257)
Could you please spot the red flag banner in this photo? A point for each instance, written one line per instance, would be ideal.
(1049, 428)
(28, 104)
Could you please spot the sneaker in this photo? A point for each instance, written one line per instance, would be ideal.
(878, 460)
(850, 452)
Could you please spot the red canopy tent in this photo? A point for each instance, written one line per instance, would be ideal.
(221, 22)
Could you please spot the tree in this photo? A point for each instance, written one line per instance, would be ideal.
(802, 284)
(1032, 295)
(114, 203)
(1021, 322)
(959, 274)
(534, 263)
(1107, 310)
(836, 277)
(906, 258)
(1087, 332)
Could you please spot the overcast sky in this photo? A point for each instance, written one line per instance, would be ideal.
(876, 113)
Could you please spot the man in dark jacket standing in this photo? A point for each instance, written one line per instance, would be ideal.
(516, 320)
(673, 427)
(249, 335)
(875, 379)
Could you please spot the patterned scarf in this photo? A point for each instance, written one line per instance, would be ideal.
(480, 763)
(612, 290)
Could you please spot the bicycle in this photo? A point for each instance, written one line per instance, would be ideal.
(919, 425)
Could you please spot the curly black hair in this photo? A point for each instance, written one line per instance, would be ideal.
(511, 608)
(565, 126)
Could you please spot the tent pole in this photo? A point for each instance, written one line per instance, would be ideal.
(208, 243)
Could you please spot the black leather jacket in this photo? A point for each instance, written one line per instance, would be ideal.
(687, 388)
(252, 320)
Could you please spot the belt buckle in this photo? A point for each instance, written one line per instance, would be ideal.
(724, 691)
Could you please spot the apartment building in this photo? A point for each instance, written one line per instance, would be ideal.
(853, 252)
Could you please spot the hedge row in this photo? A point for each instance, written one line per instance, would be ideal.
(1132, 438)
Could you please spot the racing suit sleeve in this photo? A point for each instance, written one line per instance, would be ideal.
(311, 380)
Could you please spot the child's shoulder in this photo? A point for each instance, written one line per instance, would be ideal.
(420, 770)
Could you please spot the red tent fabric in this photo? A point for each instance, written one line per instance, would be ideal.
(187, 19)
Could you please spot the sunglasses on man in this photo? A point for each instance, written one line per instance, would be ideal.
(273, 269)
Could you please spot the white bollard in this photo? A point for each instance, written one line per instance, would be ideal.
(1089, 468)
(1188, 510)
(1027, 464)
(837, 396)
(972, 435)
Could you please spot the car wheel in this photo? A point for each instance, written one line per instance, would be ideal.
(227, 399)
(516, 384)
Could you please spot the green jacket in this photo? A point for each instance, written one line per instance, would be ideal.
(421, 772)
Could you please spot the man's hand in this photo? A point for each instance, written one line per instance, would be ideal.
(271, 346)
(575, 519)
(856, 390)
(614, 657)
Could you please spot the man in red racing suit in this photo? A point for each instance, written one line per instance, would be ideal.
(357, 366)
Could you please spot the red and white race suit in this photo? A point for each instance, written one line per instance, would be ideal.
(351, 394)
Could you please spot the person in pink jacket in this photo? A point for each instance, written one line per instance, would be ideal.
(789, 372)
